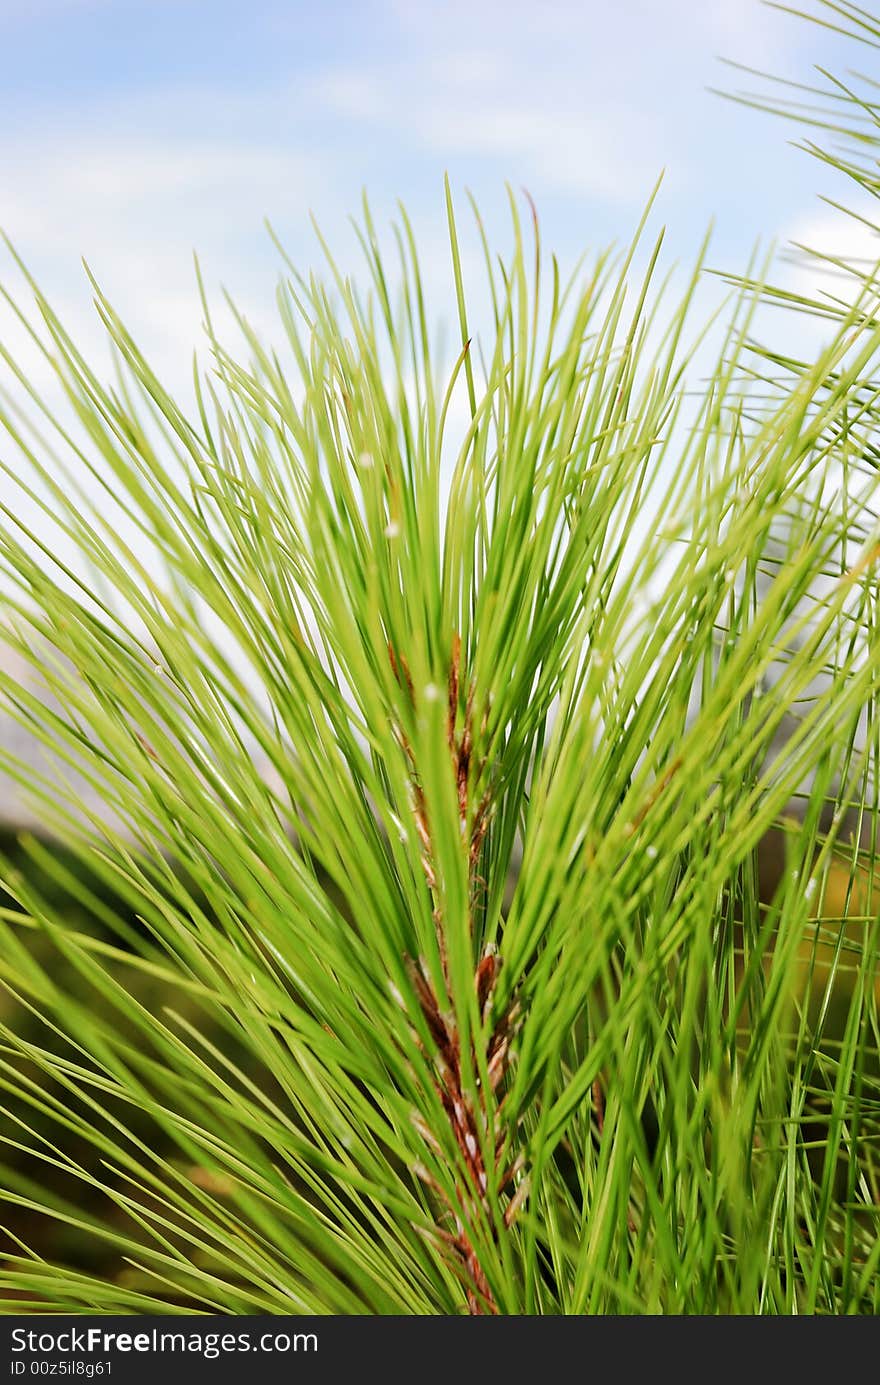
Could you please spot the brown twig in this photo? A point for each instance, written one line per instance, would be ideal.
(468, 1118)
(468, 1113)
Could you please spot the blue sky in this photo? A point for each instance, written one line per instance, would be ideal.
(132, 132)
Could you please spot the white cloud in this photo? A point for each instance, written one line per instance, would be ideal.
(474, 109)
(135, 206)
(80, 190)
(574, 99)
(564, 150)
(849, 240)
(826, 257)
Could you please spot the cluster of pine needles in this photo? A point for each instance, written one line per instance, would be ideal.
(437, 714)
